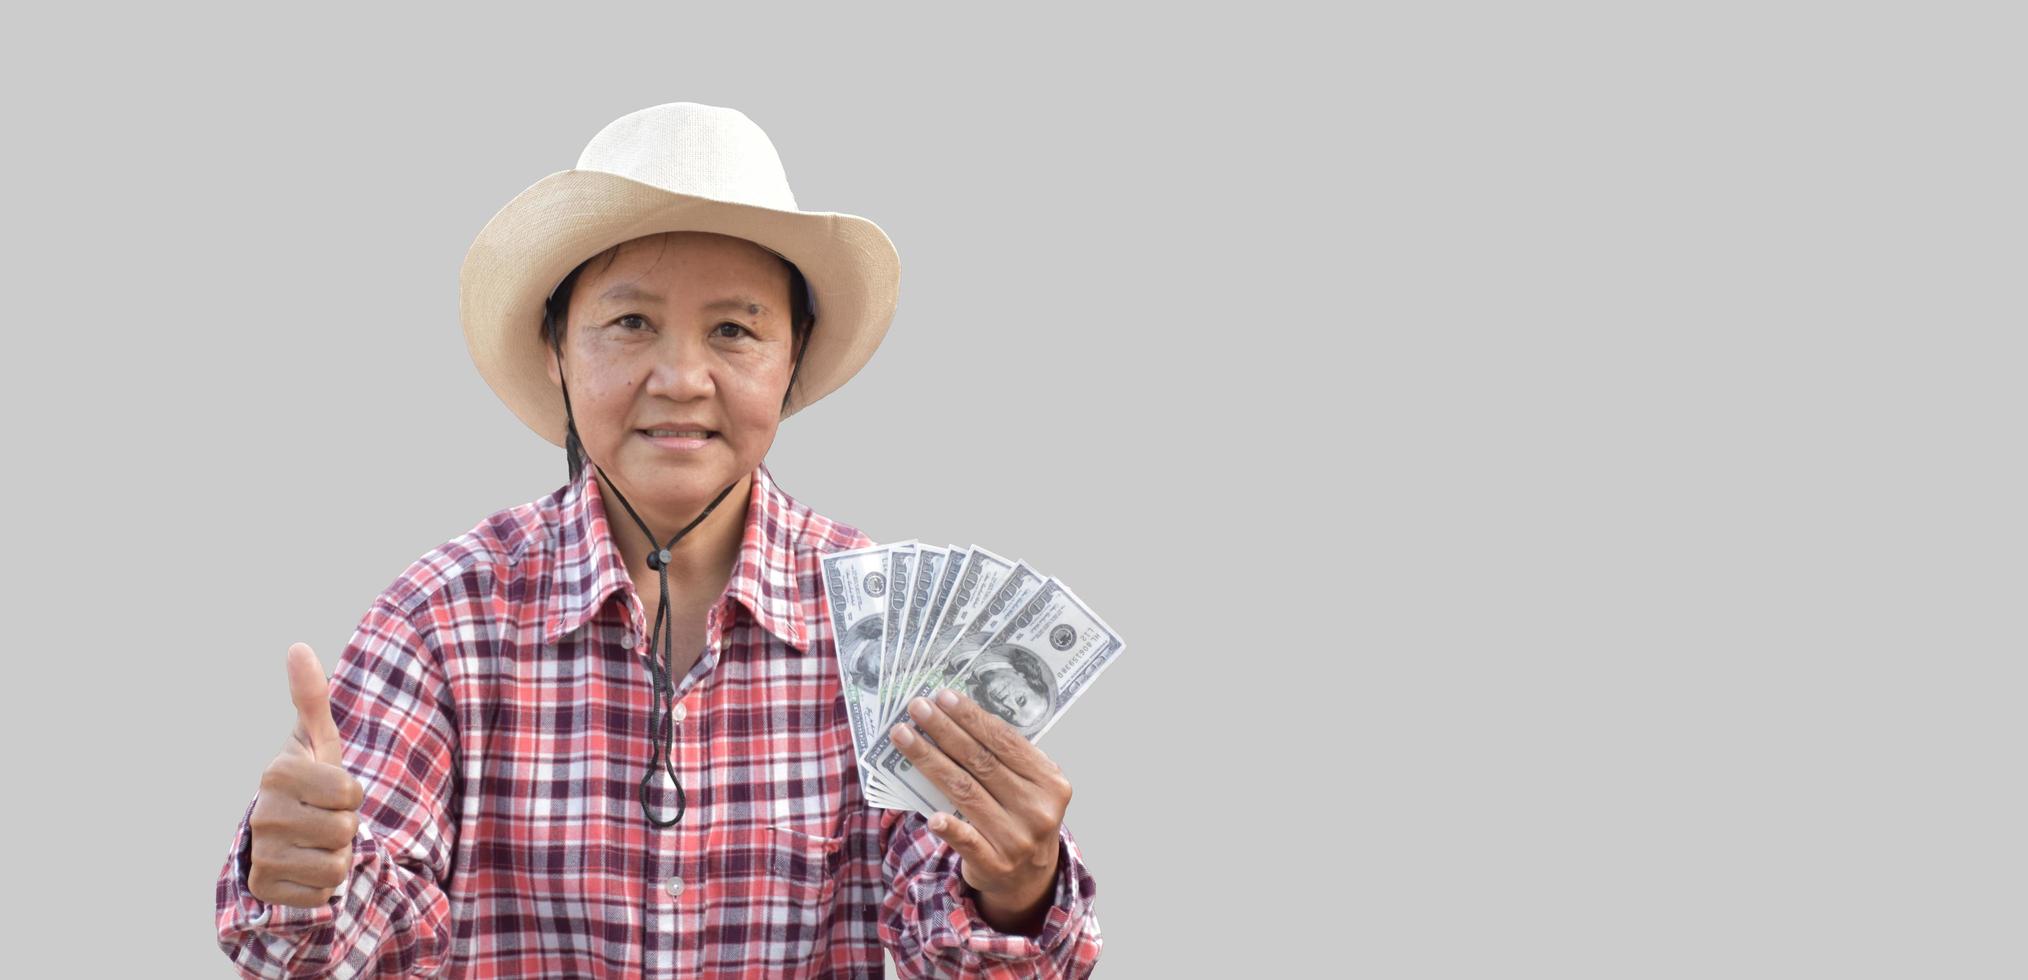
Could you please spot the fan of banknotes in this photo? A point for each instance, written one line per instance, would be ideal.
(911, 619)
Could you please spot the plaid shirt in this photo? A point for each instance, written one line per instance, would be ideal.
(495, 707)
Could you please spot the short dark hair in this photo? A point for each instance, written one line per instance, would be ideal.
(555, 327)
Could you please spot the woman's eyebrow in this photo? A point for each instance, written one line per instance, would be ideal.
(753, 306)
(628, 292)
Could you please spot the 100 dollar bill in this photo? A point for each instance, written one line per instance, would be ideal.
(975, 591)
(929, 563)
(856, 589)
(1028, 672)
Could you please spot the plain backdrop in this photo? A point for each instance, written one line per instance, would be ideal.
(1557, 467)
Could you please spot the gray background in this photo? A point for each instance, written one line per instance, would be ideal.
(1557, 466)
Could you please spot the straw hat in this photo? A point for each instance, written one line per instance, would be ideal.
(680, 166)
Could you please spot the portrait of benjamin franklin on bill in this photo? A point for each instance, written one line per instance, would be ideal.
(860, 648)
(1015, 684)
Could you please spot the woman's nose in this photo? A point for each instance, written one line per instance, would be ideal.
(681, 374)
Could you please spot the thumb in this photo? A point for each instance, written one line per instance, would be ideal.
(313, 705)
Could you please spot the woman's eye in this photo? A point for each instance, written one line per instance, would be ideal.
(740, 328)
(631, 317)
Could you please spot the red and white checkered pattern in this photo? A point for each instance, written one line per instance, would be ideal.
(495, 707)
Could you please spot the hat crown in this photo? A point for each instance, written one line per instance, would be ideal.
(702, 150)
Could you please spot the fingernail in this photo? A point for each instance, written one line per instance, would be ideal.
(937, 821)
(919, 709)
(948, 698)
(902, 736)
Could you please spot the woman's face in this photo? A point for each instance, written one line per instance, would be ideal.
(685, 331)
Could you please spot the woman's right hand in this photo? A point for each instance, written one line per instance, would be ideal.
(308, 807)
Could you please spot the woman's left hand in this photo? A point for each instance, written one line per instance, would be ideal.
(1013, 798)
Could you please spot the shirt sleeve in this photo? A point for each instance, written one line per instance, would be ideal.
(390, 698)
(932, 928)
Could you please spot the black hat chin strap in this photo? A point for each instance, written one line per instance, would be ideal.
(662, 648)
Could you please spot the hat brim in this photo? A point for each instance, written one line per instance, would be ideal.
(534, 241)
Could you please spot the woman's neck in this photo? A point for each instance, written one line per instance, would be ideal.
(699, 565)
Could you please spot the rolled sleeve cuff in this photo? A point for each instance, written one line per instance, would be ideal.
(1068, 908)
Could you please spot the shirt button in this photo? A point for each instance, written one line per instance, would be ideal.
(674, 886)
(680, 713)
(630, 639)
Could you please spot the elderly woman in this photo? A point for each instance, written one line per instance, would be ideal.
(602, 734)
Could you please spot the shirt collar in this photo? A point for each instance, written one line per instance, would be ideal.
(588, 567)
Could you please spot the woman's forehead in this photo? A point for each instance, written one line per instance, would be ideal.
(656, 249)
(648, 267)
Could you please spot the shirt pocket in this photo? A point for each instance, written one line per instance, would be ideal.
(805, 869)
(806, 864)
(770, 890)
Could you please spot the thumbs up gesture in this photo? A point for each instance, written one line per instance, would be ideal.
(308, 808)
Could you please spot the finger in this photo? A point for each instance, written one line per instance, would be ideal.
(318, 868)
(978, 760)
(329, 787)
(968, 842)
(964, 792)
(325, 829)
(291, 894)
(312, 695)
(332, 788)
(310, 867)
(997, 736)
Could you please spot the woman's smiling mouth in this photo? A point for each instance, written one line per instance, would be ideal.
(680, 440)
